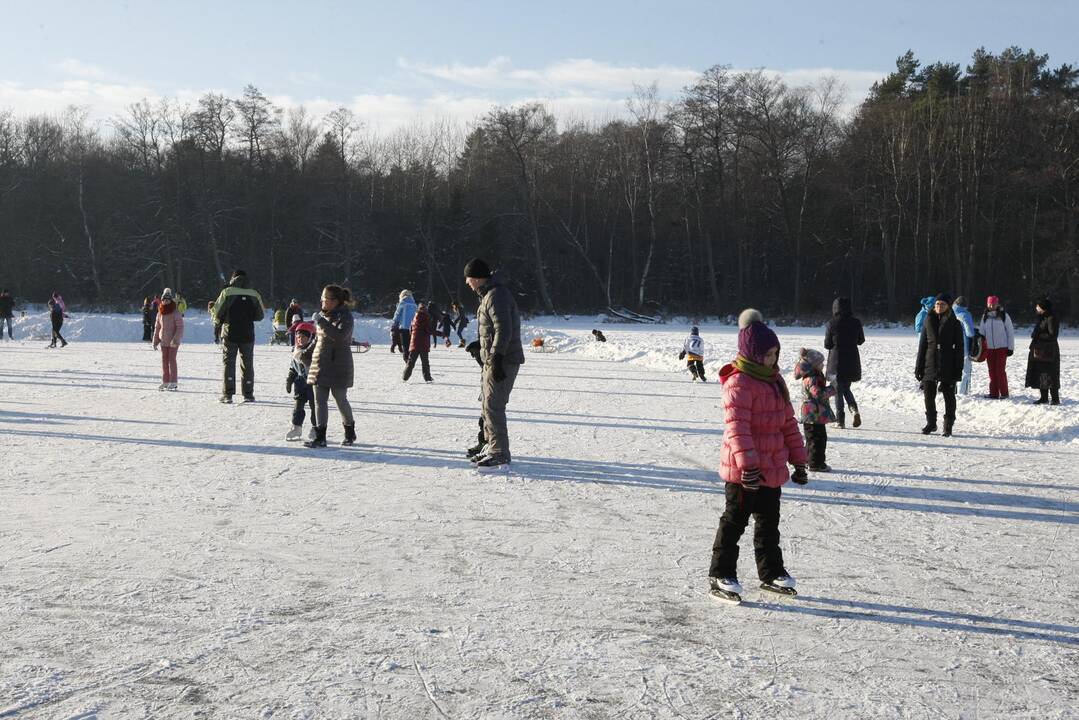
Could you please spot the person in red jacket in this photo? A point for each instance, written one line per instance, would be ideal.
(760, 439)
(419, 347)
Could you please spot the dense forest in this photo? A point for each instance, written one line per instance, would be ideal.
(741, 190)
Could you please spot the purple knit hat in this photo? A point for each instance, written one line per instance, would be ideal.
(755, 338)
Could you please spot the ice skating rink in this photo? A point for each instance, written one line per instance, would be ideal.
(163, 555)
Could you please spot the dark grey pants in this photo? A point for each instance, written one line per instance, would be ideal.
(496, 395)
(322, 405)
(246, 351)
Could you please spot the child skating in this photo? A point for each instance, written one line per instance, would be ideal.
(761, 438)
(303, 395)
(816, 411)
(693, 354)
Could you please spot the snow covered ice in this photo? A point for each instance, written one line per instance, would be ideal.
(164, 555)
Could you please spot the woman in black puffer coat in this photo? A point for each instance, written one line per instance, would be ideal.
(331, 370)
(1043, 361)
(841, 340)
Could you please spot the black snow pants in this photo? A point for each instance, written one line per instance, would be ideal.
(696, 369)
(816, 443)
(425, 364)
(303, 397)
(763, 505)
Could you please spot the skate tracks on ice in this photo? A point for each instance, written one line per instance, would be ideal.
(163, 555)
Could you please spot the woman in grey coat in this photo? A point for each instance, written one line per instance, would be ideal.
(331, 369)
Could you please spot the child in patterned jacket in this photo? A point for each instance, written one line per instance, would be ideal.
(816, 410)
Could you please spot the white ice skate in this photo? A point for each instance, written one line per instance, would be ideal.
(296, 433)
(163, 387)
(783, 585)
(172, 387)
(727, 589)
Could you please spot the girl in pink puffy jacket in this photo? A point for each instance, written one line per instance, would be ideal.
(168, 333)
(761, 437)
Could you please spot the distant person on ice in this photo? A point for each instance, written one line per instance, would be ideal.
(7, 313)
(996, 328)
(149, 317)
(761, 437)
(236, 311)
(502, 354)
(693, 354)
(816, 413)
(402, 321)
(926, 309)
(419, 348)
(303, 395)
(959, 307)
(939, 365)
(1043, 361)
(56, 318)
(331, 370)
(293, 315)
(841, 340)
(168, 334)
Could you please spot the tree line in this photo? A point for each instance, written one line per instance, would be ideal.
(742, 190)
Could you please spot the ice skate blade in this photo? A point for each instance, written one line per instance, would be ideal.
(778, 590)
(726, 597)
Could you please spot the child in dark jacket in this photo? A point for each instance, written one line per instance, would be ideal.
(302, 394)
(816, 410)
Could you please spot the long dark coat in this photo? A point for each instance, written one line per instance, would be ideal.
(331, 362)
(841, 340)
(941, 348)
(1044, 355)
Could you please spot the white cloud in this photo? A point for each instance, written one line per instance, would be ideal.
(573, 89)
(78, 68)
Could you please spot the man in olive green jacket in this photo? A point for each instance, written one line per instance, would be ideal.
(502, 356)
(236, 311)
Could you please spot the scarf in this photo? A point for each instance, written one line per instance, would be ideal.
(764, 374)
(166, 308)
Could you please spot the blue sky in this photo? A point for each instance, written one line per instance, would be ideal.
(392, 61)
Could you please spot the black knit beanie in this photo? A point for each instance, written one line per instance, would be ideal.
(477, 268)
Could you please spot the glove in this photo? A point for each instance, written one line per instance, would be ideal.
(682, 355)
(919, 375)
(498, 373)
(751, 479)
(155, 346)
(288, 386)
(1011, 352)
(799, 476)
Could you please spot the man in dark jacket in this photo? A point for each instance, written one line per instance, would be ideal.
(939, 366)
(236, 310)
(502, 355)
(841, 340)
(7, 313)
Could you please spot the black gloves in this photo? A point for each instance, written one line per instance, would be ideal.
(799, 476)
(751, 478)
(682, 355)
(473, 349)
(1011, 352)
(498, 373)
(919, 375)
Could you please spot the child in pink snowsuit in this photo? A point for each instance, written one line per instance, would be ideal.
(761, 438)
(168, 333)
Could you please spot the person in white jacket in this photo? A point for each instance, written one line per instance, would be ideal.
(996, 328)
(693, 354)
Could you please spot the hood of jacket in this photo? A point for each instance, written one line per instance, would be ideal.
(727, 372)
(841, 307)
(804, 369)
(498, 277)
(928, 301)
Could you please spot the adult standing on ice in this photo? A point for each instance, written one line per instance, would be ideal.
(939, 365)
(168, 334)
(959, 307)
(761, 437)
(7, 313)
(56, 318)
(331, 370)
(148, 320)
(502, 355)
(1043, 361)
(841, 340)
(236, 311)
(402, 321)
(999, 336)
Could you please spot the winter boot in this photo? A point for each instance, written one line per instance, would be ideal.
(296, 433)
(930, 425)
(948, 422)
(320, 438)
(1044, 399)
(857, 419)
(350, 434)
(226, 398)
